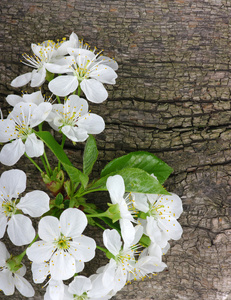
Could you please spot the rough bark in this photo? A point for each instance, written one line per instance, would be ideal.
(172, 98)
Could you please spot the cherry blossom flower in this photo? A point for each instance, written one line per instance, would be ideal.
(18, 128)
(116, 189)
(35, 204)
(74, 120)
(63, 244)
(11, 279)
(84, 69)
(161, 214)
(42, 54)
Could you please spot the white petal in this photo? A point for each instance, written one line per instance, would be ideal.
(116, 188)
(38, 77)
(33, 146)
(58, 68)
(170, 226)
(12, 183)
(40, 272)
(109, 273)
(62, 265)
(83, 248)
(20, 230)
(3, 223)
(63, 85)
(112, 241)
(13, 99)
(127, 232)
(48, 228)
(21, 80)
(7, 130)
(92, 123)
(34, 203)
(23, 286)
(104, 74)
(12, 152)
(108, 62)
(94, 90)
(80, 285)
(73, 222)
(55, 290)
(141, 202)
(75, 134)
(35, 97)
(172, 205)
(6, 282)
(40, 113)
(40, 252)
(4, 254)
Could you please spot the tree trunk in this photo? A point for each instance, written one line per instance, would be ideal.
(171, 99)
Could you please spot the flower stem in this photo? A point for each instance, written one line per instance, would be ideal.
(58, 99)
(45, 166)
(33, 162)
(47, 162)
(79, 90)
(104, 214)
(62, 145)
(102, 249)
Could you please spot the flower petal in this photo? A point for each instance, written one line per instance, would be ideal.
(13, 99)
(4, 254)
(40, 272)
(73, 222)
(94, 90)
(40, 252)
(63, 85)
(80, 285)
(104, 74)
(112, 241)
(23, 286)
(6, 282)
(75, 134)
(82, 248)
(62, 265)
(92, 123)
(127, 232)
(33, 146)
(116, 188)
(35, 97)
(48, 228)
(38, 77)
(21, 80)
(34, 203)
(3, 223)
(12, 152)
(12, 183)
(7, 130)
(40, 113)
(20, 230)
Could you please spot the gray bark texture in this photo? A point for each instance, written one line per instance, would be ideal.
(171, 98)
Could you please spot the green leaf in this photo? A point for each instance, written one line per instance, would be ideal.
(90, 155)
(135, 180)
(141, 160)
(51, 142)
(76, 175)
(59, 199)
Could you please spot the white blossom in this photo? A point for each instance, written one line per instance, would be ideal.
(35, 203)
(74, 120)
(36, 98)
(82, 68)
(42, 54)
(10, 279)
(18, 130)
(62, 244)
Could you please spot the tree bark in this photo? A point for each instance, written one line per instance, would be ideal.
(172, 98)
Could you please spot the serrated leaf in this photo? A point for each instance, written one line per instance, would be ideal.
(76, 175)
(135, 180)
(90, 155)
(142, 160)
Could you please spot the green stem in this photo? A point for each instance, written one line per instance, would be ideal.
(58, 99)
(104, 214)
(33, 162)
(100, 226)
(40, 126)
(45, 166)
(47, 162)
(79, 90)
(102, 249)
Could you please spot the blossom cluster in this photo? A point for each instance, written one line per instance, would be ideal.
(141, 218)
